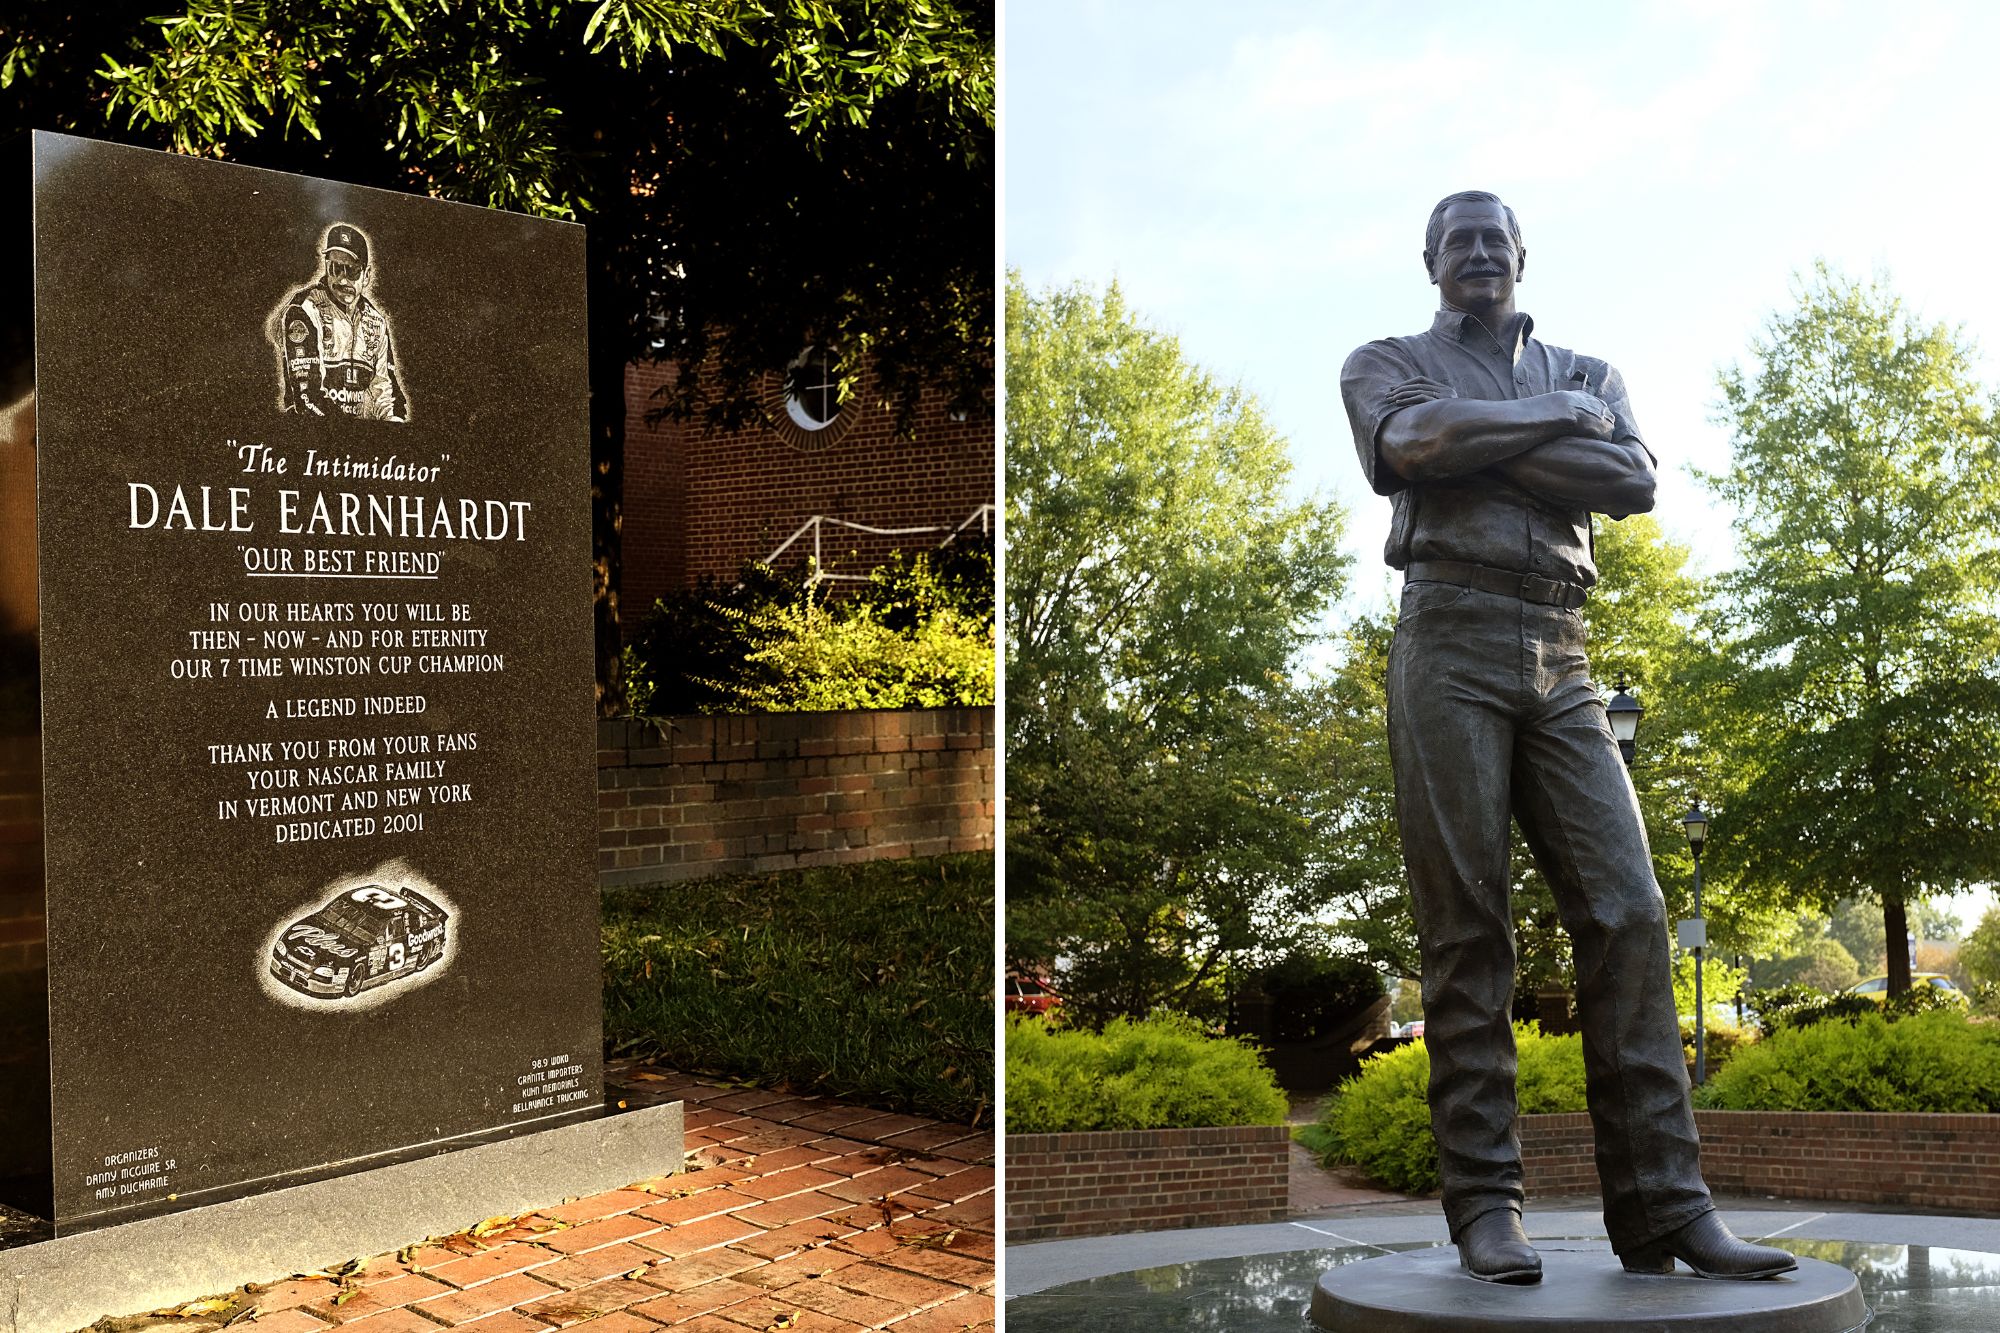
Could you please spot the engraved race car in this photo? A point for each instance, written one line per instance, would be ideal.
(366, 937)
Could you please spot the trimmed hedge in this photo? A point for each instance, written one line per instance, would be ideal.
(1380, 1120)
(1795, 1006)
(1937, 1061)
(1164, 1073)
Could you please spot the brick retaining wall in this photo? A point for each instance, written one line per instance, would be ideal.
(1940, 1161)
(1117, 1181)
(748, 793)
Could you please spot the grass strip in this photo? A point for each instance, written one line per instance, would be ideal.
(870, 982)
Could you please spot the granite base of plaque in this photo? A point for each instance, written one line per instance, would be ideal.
(1583, 1290)
(60, 1285)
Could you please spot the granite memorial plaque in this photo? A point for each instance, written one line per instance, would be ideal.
(316, 672)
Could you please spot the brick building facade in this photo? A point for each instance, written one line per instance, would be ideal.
(702, 500)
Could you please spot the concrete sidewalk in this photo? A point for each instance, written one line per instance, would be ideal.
(795, 1214)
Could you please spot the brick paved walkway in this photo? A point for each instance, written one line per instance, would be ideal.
(796, 1215)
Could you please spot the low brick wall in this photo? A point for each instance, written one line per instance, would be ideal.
(685, 797)
(1145, 1180)
(1939, 1161)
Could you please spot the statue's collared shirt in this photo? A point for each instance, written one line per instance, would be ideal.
(1478, 518)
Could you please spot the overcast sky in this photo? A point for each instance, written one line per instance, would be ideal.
(1256, 176)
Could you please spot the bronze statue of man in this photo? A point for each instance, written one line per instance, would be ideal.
(1495, 449)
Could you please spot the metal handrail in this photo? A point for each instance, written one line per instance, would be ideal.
(983, 516)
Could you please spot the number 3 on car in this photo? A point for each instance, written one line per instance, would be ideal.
(364, 938)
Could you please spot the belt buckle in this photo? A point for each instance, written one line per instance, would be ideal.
(1537, 589)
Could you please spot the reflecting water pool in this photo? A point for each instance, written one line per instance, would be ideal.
(1909, 1289)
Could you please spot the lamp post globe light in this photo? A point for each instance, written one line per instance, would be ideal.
(1696, 824)
(1624, 712)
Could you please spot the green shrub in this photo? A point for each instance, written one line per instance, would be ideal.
(1380, 1120)
(1794, 1006)
(1938, 1061)
(871, 981)
(1924, 999)
(1163, 1073)
(917, 634)
(1723, 1040)
(1312, 994)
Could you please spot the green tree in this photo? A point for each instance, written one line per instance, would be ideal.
(1980, 954)
(1355, 855)
(1857, 924)
(1161, 583)
(1816, 960)
(1648, 627)
(1863, 696)
(755, 178)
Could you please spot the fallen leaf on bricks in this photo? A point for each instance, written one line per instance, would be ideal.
(930, 1240)
(782, 1322)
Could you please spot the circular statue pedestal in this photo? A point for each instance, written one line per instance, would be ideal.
(1583, 1290)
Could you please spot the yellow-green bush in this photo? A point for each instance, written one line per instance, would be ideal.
(1723, 1040)
(1164, 1073)
(1380, 1119)
(1940, 1061)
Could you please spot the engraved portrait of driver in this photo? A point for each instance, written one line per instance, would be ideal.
(335, 352)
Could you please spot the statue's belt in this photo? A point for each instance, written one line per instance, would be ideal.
(1527, 587)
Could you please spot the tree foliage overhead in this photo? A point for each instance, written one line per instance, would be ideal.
(1161, 582)
(814, 168)
(1863, 691)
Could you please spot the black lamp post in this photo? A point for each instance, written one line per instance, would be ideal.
(1696, 824)
(1625, 712)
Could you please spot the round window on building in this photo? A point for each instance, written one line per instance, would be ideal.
(812, 389)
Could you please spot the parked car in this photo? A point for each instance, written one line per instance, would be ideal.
(1029, 995)
(364, 938)
(1877, 988)
(1415, 1029)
